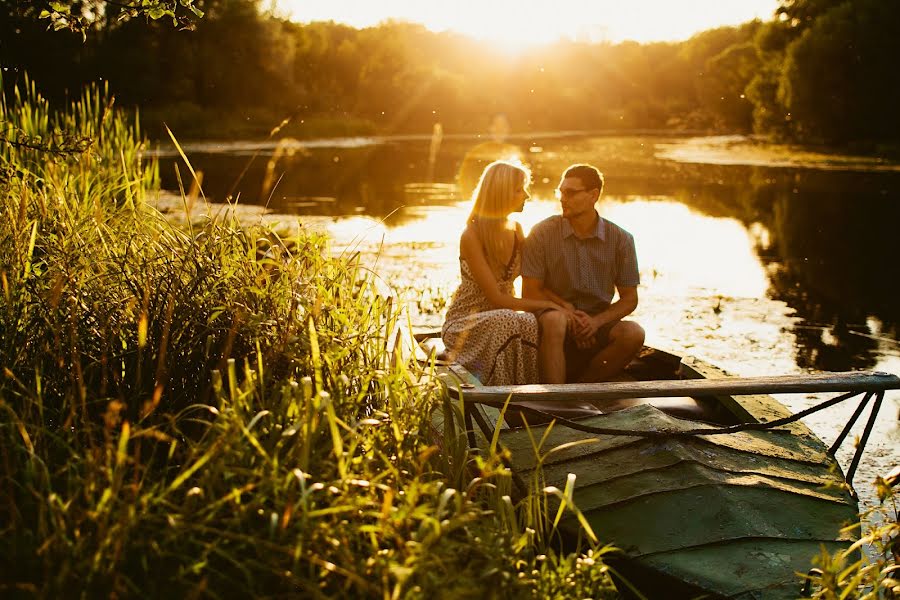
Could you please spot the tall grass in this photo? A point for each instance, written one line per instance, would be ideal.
(872, 575)
(216, 411)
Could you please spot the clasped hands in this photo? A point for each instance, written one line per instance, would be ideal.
(581, 326)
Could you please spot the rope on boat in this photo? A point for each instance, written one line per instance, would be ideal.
(687, 432)
(671, 433)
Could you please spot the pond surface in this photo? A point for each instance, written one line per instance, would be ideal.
(760, 260)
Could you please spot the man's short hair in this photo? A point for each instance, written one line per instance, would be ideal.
(589, 176)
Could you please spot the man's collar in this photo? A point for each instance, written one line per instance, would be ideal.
(599, 229)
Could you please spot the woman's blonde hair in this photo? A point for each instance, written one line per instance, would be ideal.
(495, 198)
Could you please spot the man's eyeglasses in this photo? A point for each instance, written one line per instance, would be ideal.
(568, 192)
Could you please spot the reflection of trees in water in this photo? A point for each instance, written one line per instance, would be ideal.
(321, 181)
(830, 249)
(374, 180)
(833, 247)
(828, 337)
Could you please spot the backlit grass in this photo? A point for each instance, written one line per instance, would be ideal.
(215, 411)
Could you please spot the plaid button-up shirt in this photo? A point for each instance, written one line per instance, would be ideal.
(584, 271)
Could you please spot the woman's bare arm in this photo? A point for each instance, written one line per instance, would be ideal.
(471, 251)
(535, 289)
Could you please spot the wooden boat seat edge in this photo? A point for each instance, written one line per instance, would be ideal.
(682, 407)
(433, 346)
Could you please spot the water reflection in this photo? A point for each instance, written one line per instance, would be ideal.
(806, 256)
(833, 258)
(703, 286)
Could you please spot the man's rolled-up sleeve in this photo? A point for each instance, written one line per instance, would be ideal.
(627, 268)
(534, 263)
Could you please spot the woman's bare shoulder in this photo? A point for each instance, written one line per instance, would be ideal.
(469, 237)
(469, 243)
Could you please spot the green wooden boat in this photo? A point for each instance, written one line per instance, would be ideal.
(737, 513)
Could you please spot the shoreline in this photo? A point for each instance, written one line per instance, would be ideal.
(690, 147)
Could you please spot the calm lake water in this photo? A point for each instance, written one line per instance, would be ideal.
(759, 261)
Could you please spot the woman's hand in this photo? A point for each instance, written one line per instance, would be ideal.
(551, 305)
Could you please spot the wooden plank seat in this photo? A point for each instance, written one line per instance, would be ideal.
(858, 381)
(684, 407)
(696, 399)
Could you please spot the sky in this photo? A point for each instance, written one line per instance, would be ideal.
(525, 22)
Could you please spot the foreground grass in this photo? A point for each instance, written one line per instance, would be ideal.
(875, 573)
(216, 411)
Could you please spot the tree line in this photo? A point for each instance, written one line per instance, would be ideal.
(820, 71)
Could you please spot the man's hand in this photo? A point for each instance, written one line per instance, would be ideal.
(583, 328)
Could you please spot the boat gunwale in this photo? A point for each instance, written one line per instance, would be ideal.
(856, 381)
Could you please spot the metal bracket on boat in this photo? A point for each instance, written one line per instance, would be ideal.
(873, 414)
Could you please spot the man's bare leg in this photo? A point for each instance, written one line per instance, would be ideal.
(551, 358)
(625, 341)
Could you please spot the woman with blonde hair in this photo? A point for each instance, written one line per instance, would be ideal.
(489, 330)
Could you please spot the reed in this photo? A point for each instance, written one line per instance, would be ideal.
(870, 568)
(216, 411)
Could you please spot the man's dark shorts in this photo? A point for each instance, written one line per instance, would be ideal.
(577, 359)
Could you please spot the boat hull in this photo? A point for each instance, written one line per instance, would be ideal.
(736, 515)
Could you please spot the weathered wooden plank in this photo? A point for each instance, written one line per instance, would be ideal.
(789, 443)
(456, 375)
(652, 455)
(748, 408)
(703, 515)
(684, 476)
(775, 444)
(862, 381)
(761, 408)
(524, 454)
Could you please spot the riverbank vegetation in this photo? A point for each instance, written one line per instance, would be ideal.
(820, 72)
(870, 569)
(215, 411)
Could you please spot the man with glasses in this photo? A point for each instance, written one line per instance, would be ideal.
(579, 260)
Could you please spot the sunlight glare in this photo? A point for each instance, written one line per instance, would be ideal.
(514, 25)
(681, 251)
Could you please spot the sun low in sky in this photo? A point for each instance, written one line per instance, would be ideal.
(518, 24)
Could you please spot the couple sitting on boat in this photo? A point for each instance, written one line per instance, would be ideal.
(566, 327)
